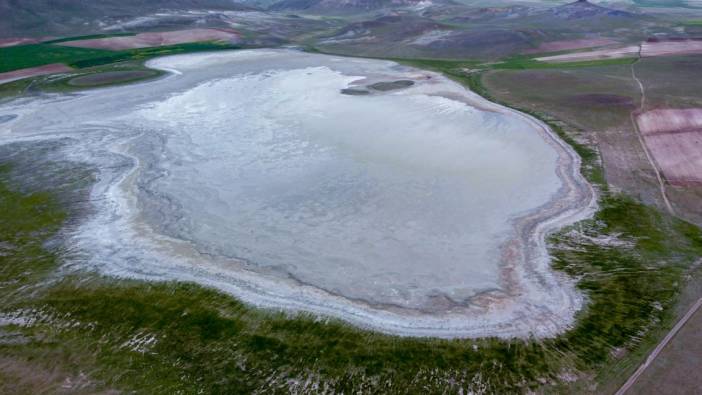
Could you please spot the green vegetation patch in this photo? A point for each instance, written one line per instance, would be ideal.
(151, 52)
(23, 56)
(88, 37)
(28, 220)
(522, 63)
(512, 63)
(33, 55)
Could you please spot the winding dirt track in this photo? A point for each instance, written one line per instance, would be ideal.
(649, 157)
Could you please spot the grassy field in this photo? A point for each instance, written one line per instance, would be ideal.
(183, 338)
(512, 63)
(524, 63)
(32, 55)
(671, 81)
(88, 37)
(23, 56)
(113, 65)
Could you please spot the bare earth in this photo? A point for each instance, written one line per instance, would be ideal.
(33, 72)
(563, 45)
(676, 369)
(9, 42)
(674, 138)
(600, 54)
(143, 40)
(675, 47)
(18, 376)
(648, 49)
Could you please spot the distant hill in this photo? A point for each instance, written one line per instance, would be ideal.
(410, 35)
(50, 17)
(583, 9)
(583, 17)
(391, 28)
(350, 6)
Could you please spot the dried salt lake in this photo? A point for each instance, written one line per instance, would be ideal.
(415, 209)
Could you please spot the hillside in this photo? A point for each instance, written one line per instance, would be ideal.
(57, 17)
(351, 6)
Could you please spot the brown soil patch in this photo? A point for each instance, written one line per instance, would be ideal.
(33, 72)
(601, 54)
(674, 138)
(669, 120)
(648, 49)
(19, 376)
(676, 369)
(602, 99)
(564, 45)
(143, 40)
(671, 47)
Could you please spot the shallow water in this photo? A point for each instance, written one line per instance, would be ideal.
(256, 160)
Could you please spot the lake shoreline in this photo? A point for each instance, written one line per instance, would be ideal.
(526, 269)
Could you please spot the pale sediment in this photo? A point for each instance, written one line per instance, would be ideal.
(531, 300)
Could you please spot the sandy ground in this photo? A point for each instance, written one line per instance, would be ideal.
(33, 72)
(563, 45)
(674, 138)
(143, 40)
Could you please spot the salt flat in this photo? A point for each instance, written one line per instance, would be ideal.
(416, 211)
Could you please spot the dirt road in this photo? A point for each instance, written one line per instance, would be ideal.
(633, 114)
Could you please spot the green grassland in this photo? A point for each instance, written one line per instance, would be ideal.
(523, 63)
(87, 37)
(32, 55)
(183, 338)
(511, 63)
(85, 62)
(23, 56)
